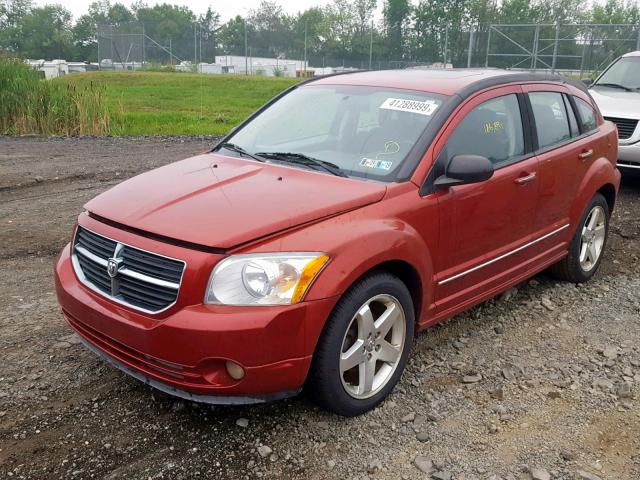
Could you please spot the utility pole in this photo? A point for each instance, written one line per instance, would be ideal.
(371, 44)
(246, 50)
(170, 53)
(200, 42)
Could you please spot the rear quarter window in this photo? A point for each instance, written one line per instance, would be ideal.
(587, 115)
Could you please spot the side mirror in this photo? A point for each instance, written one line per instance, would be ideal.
(587, 81)
(464, 169)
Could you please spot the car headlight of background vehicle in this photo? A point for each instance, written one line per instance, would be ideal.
(264, 279)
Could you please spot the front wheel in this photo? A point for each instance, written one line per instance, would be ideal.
(364, 346)
(587, 246)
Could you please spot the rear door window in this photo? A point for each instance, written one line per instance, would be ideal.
(587, 115)
(493, 129)
(550, 115)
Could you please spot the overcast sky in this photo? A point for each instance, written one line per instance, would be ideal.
(226, 8)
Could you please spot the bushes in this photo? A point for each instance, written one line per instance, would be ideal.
(30, 105)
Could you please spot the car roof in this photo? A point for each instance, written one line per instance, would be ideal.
(461, 81)
(632, 54)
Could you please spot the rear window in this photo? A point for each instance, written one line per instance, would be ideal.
(587, 115)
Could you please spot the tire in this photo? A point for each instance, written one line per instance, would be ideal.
(352, 390)
(577, 267)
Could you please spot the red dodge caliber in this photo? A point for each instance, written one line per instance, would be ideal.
(348, 213)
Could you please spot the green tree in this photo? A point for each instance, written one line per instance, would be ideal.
(231, 36)
(209, 22)
(12, 13)
(168, 23)
(46, 33)
(100, 13)
(397, 14)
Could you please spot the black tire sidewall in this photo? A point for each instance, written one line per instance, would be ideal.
(326, 365)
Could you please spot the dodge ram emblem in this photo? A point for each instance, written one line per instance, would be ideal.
(112, 267)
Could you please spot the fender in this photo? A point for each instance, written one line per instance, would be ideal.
(368, 244)
(358, 243)
(600, 173)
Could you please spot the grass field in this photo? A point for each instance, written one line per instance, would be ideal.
(179, 103)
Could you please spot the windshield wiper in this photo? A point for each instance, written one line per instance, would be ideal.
(302, 159)
(238, 149)
(614, 85)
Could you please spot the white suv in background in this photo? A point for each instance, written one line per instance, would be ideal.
(617, 93)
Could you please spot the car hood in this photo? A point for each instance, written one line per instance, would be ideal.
(616, 103)
(219, 201)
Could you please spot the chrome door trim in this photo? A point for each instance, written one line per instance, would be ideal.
(503, 256)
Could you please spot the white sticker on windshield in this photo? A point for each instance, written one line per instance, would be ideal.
(412, 106)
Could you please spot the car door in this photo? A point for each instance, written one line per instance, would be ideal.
(485, 227)
(564, 151)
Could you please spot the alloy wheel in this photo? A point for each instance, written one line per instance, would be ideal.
(372, 346)
(592, 239)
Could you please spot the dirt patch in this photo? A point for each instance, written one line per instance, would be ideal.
(552, 393)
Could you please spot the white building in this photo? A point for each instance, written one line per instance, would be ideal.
(261, 65)
(215, 68)
(51, 69)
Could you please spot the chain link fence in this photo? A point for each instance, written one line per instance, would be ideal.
(574, 49)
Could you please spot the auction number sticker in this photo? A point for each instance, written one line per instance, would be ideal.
(426, 107)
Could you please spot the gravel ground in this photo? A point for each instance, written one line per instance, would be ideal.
(541, 382)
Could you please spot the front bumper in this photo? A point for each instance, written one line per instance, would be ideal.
(184, 353)
(629, 156)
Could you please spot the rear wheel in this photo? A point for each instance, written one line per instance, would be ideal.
(364, 347)
(588, 244)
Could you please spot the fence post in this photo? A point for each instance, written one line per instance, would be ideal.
(143, 46)
(246, 50)
(471, 32)
(371, 45)
(446, 44)
(534, 54)
(305, 48)
(638, 39)
(486, 58)
(584, 48)
(555, 47)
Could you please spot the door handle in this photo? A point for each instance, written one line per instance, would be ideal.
(585, 154)
(526, 179)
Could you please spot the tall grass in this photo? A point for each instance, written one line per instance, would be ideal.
(31, 105)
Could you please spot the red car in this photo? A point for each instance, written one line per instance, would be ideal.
(347, 214)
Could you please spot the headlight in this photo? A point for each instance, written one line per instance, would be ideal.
(264, 279)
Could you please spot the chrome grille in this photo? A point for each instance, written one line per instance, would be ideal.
(139, 279)
(626, 126)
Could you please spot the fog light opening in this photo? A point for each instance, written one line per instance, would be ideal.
(234, 370)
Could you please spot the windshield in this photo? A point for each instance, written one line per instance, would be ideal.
(625, 72)
(363, 131)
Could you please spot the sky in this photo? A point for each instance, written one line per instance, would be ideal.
(226, 8)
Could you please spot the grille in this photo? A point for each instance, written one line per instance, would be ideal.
(139, 279)
(626, 126)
